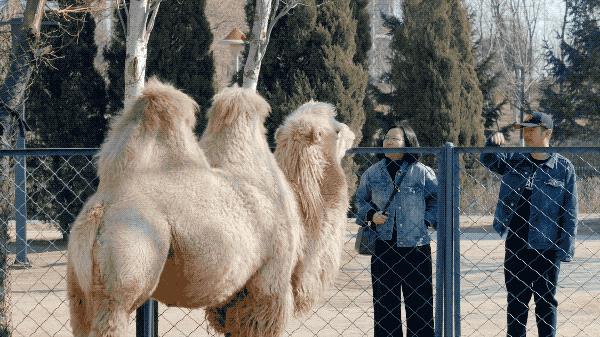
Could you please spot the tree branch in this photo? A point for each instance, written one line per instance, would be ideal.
(33, 14)
(275, 17)
(150, 23)
(123, 25)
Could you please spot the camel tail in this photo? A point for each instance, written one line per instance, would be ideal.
(81, 244)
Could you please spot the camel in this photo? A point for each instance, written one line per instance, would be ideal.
(190, 226)
(310, 147)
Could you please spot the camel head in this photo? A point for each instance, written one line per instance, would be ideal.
(310, 140)
(310, 146)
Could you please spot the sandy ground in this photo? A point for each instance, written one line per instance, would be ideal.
(39, 306)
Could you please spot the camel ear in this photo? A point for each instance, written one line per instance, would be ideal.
(306, 133)
(277, 132)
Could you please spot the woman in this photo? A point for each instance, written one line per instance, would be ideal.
(402, 260)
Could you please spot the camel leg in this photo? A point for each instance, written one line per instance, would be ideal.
(111, 314)
(78, 305)
(263, 312)
(126, 271)
(216, 316)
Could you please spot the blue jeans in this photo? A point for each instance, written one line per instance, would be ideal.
(531, 273)
(406, 271)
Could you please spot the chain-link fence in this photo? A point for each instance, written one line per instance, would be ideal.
(492, 268)
(469, 293)
(34, 258)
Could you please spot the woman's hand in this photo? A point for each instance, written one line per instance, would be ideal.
(379, 218)
(498, 139)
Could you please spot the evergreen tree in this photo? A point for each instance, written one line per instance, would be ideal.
(312, 55)
(178, 52)
(571, 94)
(433, 73)
(378, 122)
(363, 38)
(66, 108)
(67, 100)
(492, 109)
(364, 41)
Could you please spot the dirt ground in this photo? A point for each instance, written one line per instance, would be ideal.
(39, 306)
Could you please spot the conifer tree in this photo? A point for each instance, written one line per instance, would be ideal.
(571, 94)
(312, 55)
(67, 101)
(433, 74)
(492, 108)
(66, 108)
(178, 52)
(363, 38)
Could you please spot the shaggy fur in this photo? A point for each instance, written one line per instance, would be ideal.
(310, 146)
(165, 224)
(235, 142)
(218, 227)
(158, 125)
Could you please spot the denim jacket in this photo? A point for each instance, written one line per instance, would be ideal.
(411, 208)
(553, 214)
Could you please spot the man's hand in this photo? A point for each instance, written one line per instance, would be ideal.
(379, 218)
(497, 139)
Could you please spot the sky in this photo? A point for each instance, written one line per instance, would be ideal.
(550, 17)
(553, 16)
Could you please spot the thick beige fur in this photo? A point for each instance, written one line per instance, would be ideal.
(197, 226)
(310, 146)
(165, 224)
(235, 142)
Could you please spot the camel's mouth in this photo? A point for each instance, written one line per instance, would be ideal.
(345, 140)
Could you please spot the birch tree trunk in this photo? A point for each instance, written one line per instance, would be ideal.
(266, 15)
(136, 49)
(258, 43)
(103, 32)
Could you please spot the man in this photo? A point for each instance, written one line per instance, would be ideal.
(537, 210)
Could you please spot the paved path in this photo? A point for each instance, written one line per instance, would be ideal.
(40, 308)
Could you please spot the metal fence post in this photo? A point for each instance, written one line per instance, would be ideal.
(441, 250)
(448, 206)
(146, 319)
(448, 245)
(456, 237)
(21, 259)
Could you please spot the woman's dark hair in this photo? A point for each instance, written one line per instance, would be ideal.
(410, 140)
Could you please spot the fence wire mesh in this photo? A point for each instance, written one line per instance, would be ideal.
(56, 188)
(58, 184)
(483, 294)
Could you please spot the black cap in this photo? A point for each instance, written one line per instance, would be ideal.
(536, 119)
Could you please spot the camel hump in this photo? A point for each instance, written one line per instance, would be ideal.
(162, 106)
(233, 103)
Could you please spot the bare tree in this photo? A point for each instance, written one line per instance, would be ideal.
(513, 32)
(103, 18)
(517, 44)
(137, 19)
(12, 94)
(266, 15)
(21, 65)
